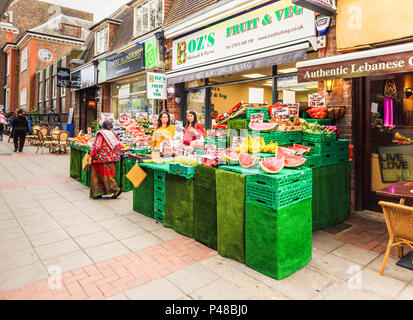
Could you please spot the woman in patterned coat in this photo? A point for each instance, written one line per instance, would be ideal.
(104, 155)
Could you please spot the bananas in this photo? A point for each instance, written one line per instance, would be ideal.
(272, 147)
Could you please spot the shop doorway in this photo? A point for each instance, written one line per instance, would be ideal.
(383, 122)
(89, 101)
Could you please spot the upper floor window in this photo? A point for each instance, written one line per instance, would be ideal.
(45, 54)
(148, 16)
(102, 41)
(23, 98)
(8, 64)
(23, 63)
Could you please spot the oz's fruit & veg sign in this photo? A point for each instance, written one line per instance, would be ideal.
(156, 83)
(264, 27)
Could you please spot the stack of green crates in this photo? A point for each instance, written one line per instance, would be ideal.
(281, 190)
(322, 149)
(159, 195)
(342, 151)
(284, 138)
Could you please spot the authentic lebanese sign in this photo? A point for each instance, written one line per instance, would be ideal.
(326, 7)
(269, 25)
(378, 65)
(125, 62)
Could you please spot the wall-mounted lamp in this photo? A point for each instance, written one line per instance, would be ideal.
(409, 92)
(329, 84)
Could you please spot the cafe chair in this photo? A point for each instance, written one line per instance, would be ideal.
(44, 143)
(63, 136)
(45, 132)
(399, 221)
(32, 138)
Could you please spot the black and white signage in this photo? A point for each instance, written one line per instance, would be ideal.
(63, 77)
(125, 62)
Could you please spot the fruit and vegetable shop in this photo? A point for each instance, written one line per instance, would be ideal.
(254, 188)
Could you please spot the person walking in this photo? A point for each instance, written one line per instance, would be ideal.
(3, 123)
(104, 155)
(20, 129)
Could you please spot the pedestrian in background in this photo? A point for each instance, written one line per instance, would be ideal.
(3, 123)
(104, 155)
(20, 129)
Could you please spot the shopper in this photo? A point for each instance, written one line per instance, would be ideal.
(104, 155)
(20, 127)
(193, 130)
(164, 130)
(3, 123)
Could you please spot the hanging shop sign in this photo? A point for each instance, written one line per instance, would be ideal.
(326, 7)
(63, 77)
(125, 62)
(264, 27)
(156, 86)
(378, 65)
(396, 163)
(75, 80)
(83, 78)
(151, 53)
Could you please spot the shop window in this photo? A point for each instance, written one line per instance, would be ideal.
(102, 40)
(148, 16)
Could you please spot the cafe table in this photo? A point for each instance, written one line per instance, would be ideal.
(398, 190)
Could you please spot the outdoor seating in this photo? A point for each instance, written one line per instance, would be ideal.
(62, 141)
(399, 221)
(32, 138)
(45, 131)
(44, 143)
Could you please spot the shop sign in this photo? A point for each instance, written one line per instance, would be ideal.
(75, 81)
(371, 66)
(326, 7)
(63, 77)
(83, 78)
(156, 86)
(102, 71)
(265, 27)
(125, 62)
(396, 163)
(151, 53)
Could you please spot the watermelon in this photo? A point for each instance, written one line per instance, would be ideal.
(287, 150)
(294, 161)
(262, 127)
(301, 147)
(272, 165)
(247, 160)
(231, 156)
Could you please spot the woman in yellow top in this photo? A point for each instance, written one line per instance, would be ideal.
(164, 130)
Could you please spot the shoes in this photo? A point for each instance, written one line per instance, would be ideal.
(99, 197)
(117, 194)
(20, 150)
(15, 150)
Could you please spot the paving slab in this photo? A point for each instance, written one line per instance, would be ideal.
(160, 289)
(140, 242)
(106, 251)
(21, 276)
(47, 237)
(95, 239)
(57, 249)
(356, 254)
(70, 261)
(220, 290)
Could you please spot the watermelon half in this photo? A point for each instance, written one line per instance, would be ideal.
(231, 156)
(272, 165)
(247, 160)
(262, 127)
(300, 149)
(294, 161)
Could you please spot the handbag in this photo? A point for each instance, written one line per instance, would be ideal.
(86, 162)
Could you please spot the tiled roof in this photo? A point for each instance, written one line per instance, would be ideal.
(179, 9)
(124, 33)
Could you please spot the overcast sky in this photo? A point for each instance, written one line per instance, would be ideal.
(100, 8)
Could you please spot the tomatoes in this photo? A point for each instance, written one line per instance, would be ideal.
(317, 112)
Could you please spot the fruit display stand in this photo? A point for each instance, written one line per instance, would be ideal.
(143, 195)
(75, 163)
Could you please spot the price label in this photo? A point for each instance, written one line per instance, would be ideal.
(257, 117)
(107, 116)
(293, 110)
(315, 100)
(142, 116)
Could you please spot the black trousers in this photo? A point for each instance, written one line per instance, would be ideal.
(19, 137)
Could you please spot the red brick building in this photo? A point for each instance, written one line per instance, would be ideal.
(34, 35)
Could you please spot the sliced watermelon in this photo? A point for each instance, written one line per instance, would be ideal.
(299, 146)
(272, 165)
(262, 127)
(288, 150)
(294, 161)
(247, 160)
(231, 156)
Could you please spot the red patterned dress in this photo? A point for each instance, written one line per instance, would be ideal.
(104, 156)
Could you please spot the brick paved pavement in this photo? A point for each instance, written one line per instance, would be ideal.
(105, 250)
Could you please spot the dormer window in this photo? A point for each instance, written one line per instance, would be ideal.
(102, 40)
(148, 16)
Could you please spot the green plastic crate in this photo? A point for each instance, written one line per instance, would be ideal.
(159, 211)
(328, 159)
(237, 124)
(283, 197)
(266, 135)
(318, 137)
(159, 185)
(250, 111)
(320, 147)
(282, 179)
(159, 197)
(284, 138)
(342, 145)
(181, 169)
(159, 175)
(313, 161)
(342, 156)
(323, 122)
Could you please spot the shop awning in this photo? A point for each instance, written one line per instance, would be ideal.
(388, 60)
(268, 58)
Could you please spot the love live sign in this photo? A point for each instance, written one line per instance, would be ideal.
(261, 27)
(371, 66)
